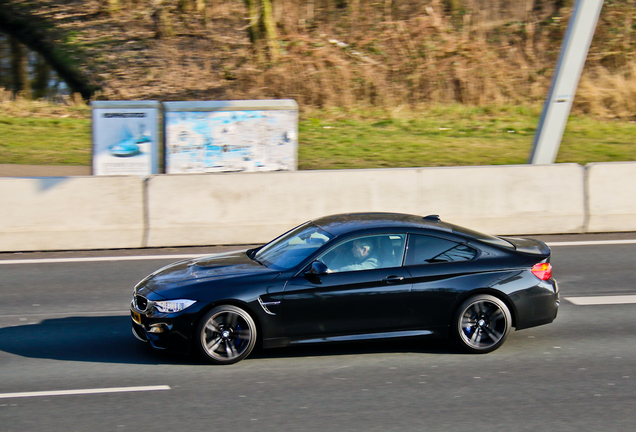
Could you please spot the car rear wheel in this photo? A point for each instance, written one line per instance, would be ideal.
(226, 334)
(482, 324)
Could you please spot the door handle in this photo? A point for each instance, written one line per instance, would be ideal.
(393, 279)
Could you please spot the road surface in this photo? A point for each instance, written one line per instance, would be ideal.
(68, 361)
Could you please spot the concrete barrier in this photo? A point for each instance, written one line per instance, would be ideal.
(254, 207)
(65, 213)
(611, 196)
(508, 200)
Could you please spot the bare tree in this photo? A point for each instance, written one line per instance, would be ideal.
(262, 27)
(5, 75)
(253, 17)
(19, 68)
(185, 6)
(454, 7)
(163, 25)
(110, 6)
(42, 76)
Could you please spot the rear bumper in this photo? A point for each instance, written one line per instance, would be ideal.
(538, 305)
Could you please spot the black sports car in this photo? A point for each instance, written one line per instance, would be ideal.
(350, 277)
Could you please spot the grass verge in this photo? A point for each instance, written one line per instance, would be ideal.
(45, 141)
(452, 136)
(333, 139)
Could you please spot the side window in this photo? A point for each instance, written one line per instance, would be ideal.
(427, 250)
(366, 253)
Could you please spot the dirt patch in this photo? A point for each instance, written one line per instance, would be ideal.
(7, 170)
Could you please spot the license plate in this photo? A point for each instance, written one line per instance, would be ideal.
(136, 317)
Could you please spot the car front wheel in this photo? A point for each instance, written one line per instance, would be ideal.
(226, 335)
(482, 324)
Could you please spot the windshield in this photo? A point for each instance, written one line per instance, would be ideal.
(290, 249)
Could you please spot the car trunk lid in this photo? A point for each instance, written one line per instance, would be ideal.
(529, 246)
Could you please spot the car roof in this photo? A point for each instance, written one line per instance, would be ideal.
(347, 222)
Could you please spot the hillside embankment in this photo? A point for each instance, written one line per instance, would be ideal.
(343, 53)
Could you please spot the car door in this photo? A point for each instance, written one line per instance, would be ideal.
(440, 269)
(352, 301)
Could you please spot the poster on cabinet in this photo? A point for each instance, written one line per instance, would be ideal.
(125, 137)
(230, 136)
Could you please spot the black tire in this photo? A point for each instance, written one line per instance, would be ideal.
(226, 335)
(482, 324)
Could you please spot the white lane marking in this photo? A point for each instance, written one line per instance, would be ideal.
(602, 300)
(83, 391)
(178, 257)
(592, 243)
(77, 314)
(96, 259)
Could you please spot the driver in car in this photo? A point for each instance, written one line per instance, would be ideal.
(362, 257)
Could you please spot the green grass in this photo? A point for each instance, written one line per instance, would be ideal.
(451, 136)
(45, 141)
(586, 141)
(333, 139)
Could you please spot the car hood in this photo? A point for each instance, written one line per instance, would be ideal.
(218, 266)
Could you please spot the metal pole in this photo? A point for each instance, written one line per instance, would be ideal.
(572, 57)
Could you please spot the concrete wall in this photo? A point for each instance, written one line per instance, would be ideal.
(612, 196)
(66, 213)
(254, 207)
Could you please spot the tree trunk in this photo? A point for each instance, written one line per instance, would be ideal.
(42, 77)
(269, 26)
(627, 41)
(454, 7)
(111, 6)
(19, 68)
(163, 26)
(184, 6)
(253, 15)
(387, 10)
(5, 79)
(261, 27)
(310, 12)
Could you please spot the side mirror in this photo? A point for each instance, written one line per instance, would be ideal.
(317, 268)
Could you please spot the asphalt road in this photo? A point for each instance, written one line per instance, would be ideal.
(65, 326)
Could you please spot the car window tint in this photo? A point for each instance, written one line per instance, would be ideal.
(398, 242)
(366, 253)
(427, 250)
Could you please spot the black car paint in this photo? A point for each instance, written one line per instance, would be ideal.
(301, 307)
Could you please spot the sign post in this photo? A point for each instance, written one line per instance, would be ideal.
(572, 57)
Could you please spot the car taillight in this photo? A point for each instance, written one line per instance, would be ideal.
(542, 270)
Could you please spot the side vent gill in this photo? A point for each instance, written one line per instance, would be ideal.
(265, 305)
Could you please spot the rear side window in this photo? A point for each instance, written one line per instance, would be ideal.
(424, 249)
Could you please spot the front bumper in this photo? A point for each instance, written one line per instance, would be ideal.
(173, 333)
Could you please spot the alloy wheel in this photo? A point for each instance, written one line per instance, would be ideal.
(227, 334)
(483, 323)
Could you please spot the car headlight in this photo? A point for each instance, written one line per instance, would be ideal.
(172, 306)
